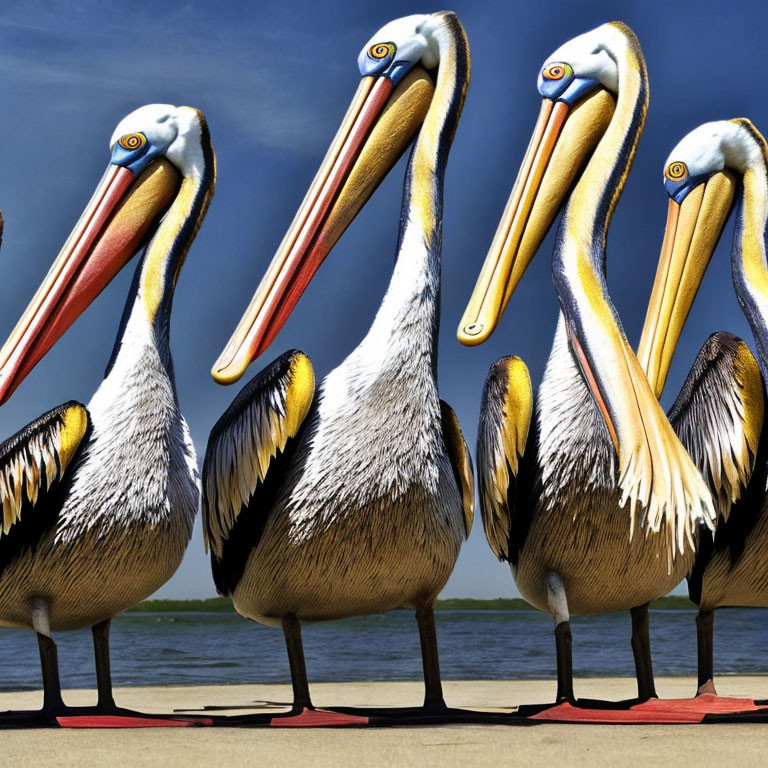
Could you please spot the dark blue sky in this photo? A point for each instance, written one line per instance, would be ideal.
(274, 80)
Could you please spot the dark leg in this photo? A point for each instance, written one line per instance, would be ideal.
(103, 675)
(49, 661)
(433, 687)
(557, 602)
(705, 625)
(105, 714)
(641, 648)
(563, 643)
(292, 632)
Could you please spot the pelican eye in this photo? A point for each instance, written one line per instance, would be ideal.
(381, 51)
(556, 71)
(676, 171)
(132, 141)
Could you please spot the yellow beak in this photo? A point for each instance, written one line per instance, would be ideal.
(692, 233)
(562, 142)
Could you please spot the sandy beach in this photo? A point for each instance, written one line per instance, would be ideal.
(567, 745)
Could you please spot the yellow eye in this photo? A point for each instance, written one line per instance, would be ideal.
(676, 171)
(132, 141)
(381, 50)
(555, 71)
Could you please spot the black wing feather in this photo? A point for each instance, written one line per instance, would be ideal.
(503, 437)
(35, 476)
(243, 467)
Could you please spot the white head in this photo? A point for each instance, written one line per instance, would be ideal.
(710, 148)
(159, 130)
(586, 61)
(399, 45)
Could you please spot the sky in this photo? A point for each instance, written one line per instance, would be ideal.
(274, 80)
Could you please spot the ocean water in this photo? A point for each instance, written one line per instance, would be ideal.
(199, 648)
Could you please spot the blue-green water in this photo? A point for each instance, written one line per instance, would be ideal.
(199, 648)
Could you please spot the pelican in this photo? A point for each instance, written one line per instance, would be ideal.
(99, 501)
(591, 498)
(352, 497)
(719, 411)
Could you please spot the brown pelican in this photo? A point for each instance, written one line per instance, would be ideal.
(719, 411)
(352, 498)
(99, 500)
(591, 497)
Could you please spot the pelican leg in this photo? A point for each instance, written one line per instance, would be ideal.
(292, 632)
(103, 674)
(49, 661)
(106, 713)
(303, 713)
(563, 645)
(705, 625)
(558, 607)
(641, 648)
(53, 703)
(433, 687)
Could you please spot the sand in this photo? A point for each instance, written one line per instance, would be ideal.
(550, 745)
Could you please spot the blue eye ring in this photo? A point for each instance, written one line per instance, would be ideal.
(134, 151)
(556, 78)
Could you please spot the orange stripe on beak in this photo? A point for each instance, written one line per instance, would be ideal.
(655, 305)
(20, 345)
(692, 232)
(304, 248)
(112, 228)
(502, 270)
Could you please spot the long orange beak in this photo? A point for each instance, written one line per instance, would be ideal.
(377, 128)
(112, 228)
(691, 235)
(562, 142)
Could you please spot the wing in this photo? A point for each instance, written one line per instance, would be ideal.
(243, 448)
(718, 416)
(505, 419)
(34, 472)
(461, 462)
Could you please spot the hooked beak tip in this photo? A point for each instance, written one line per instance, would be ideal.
(226, 374)
(473, 334)
(233, 362)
